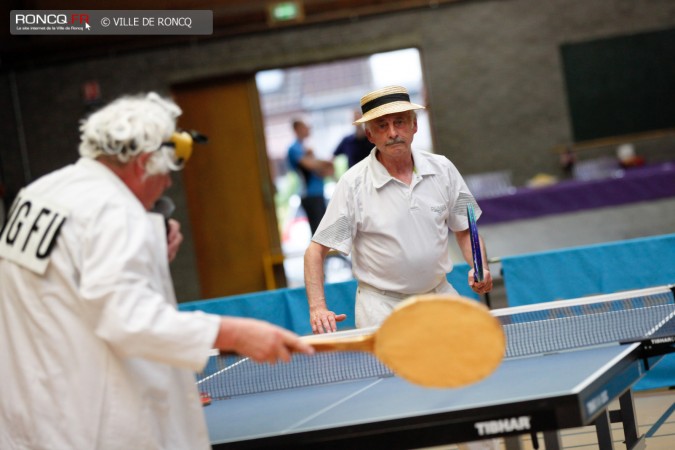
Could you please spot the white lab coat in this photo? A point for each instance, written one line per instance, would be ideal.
(93, 353)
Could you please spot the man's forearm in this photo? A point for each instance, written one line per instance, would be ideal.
(464, 243)
(314, 258)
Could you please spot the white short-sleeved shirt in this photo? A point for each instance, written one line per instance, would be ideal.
(397, 234)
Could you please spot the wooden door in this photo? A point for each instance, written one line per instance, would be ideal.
(228, 188)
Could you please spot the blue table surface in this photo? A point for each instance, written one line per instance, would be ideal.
(376, 399)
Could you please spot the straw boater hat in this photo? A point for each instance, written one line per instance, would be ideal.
(388, 100)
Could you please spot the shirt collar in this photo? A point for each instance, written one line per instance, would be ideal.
(382, 177)
(104, 172)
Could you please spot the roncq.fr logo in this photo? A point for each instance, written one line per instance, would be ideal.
(51, 19)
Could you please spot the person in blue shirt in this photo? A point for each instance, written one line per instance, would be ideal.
(355, 146)
(312, 172)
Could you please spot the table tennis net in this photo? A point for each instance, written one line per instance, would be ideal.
(532, 330)
(638, 316)
(227, 376)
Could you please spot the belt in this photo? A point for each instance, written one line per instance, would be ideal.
(393, 294)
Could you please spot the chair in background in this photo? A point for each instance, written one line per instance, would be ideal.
(490, 184)
(597, 169)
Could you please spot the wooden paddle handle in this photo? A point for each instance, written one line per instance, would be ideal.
(326, 343)
(352, 343)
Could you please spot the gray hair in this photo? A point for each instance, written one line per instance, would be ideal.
(129, 126)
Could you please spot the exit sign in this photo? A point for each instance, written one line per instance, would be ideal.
(285, 12)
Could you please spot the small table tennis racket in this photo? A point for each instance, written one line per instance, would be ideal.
(433, 340)
(475, 244)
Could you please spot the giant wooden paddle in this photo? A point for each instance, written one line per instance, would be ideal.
(433, 340)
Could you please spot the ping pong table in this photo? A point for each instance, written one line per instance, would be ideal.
(565, 363)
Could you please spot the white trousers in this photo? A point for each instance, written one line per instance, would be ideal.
(374, 305)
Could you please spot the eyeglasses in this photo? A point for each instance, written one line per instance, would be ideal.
(178, 148)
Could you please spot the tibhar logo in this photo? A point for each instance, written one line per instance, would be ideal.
(664, 340)
(503, 425)
(50, 19)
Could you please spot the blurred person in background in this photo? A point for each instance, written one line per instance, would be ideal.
(311, 171)
(356, 145)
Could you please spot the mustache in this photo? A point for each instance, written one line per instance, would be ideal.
(396, 140)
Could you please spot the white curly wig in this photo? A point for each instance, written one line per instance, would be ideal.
(129, 126)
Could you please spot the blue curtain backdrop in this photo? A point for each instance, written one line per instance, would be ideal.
(288, 308)
(596, 269)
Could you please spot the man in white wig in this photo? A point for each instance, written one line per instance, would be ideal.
(93, 352)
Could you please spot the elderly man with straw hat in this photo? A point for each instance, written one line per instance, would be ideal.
(393, 212)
